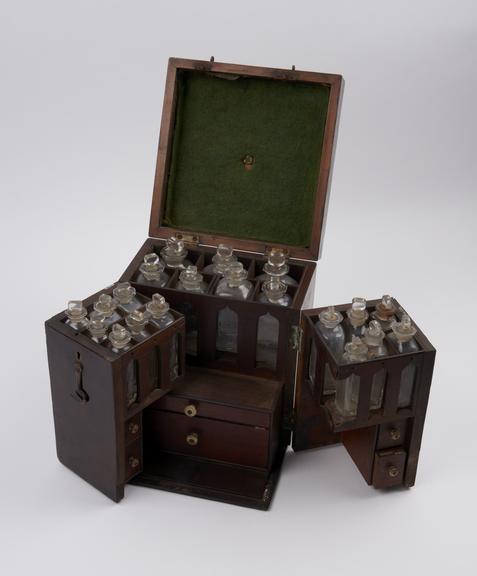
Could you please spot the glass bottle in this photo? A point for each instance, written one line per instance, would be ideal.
(374, 339)
(329, 327)
(151, 271)
(276, 265)
(274, 291)
(97, 327)
(125, 294)
(402, 337)
(106, 305)
(221, 260)
(191, 281)
(384, 312)
(119, 338)
(235, 283)
(357, 316)
(347, 390)
(174, 253)
(136, 322)
(76, 315)
(158, 309)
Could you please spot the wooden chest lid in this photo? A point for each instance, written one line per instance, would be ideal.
(245, 156)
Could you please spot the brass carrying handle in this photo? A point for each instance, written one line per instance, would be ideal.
(192, 439)
(190, 410)
(79, 393)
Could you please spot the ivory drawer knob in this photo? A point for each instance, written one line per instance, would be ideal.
(192, 439)
(133, 427)
(394, 434)
(393, 471)
(190, 410)
(133, 462)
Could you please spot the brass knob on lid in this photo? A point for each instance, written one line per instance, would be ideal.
(190, 410)
(393, 471)
(394, 434)
(133, 462)
(192, 439)
(133, 427)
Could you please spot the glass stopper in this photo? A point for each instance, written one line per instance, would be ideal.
(124, 292)
(235, 274)
(119, 336)
(174, 251)
(223, 258)
(137, 320)
(158, 306)
(373, 334)
(97, 324)
(385, 309)
(190, 278)
(403, 330)
(357, 314)
(274, 289)
(356, 350)
(152, 267)
(330, 317)
(276, 264)
(105, 304)
(76, 311)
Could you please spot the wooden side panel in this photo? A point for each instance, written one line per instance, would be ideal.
(86, 437)
(361, 445)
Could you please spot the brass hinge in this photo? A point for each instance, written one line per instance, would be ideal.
(296, 335)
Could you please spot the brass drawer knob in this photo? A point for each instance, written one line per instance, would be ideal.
(394, 434)
(133, 427)
(190, 410)
(192, 439)
(393, 471)
(133, 462)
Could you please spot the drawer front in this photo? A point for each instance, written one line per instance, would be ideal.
(133, 428)
(199, 408)
(389, 468)
(133, 460)
(391, 434)
(212, 439)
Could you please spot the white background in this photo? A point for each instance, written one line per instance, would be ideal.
(81, 96)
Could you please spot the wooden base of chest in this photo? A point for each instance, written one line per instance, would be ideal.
(217, 436)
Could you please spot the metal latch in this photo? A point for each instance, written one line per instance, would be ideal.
(296, 335)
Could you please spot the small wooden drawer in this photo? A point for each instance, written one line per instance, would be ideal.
(202, 409)
(389, 466)
(391, 434)
(133, 460)
(206, 438)
(133, 428)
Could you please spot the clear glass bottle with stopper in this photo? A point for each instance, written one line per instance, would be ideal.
(357, 316)
(402, 337)
(106, 305)
(235, 283)
(190, 280)
(330, 329)
(97, 327)
(276, 265)
(347, 390)
(136, 322)
(158, 309)
(174, 254)
(76, 315)
(374, 340)
(274, 291)
(151, 271)
(385, 312)
(119, 338)
(125, 294)
(221, 260)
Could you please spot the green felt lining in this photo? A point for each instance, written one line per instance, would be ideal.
(219, 121)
